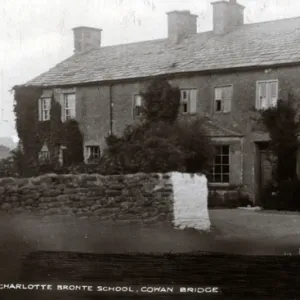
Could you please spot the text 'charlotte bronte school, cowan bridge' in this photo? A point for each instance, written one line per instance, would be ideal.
(224, 75)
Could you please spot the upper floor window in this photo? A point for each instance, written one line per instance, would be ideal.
(221, 165)
(137, 105)
(44, 109)
(188, 100)
(69, 106)
(93, 152)
(223, 98)
(267, 94)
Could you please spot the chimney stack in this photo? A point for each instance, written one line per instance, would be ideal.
(86, 38)
(227, 16)
(181, 24)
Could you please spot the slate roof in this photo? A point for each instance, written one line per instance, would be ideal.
(259, 44)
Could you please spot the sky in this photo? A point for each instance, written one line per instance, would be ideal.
(37, 34)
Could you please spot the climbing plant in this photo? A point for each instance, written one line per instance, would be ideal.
(283, 125)
(34, 133)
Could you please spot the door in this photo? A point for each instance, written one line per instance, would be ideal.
(265, 163)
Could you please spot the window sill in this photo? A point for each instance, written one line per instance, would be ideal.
(215, 184)
(222, 112)
(223, 186)
(189, 114)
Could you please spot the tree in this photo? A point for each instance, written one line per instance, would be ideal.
(161, 102)
(159, 142)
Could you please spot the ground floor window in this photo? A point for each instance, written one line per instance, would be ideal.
(44, 155)
(221, 165)
(93, 152)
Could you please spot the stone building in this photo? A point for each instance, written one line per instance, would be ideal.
(226, 75)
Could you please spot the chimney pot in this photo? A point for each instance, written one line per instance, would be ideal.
(227, 16)
(86, 38)
(181, 24)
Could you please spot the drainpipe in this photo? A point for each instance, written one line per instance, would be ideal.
(298, 157)
(111, 109)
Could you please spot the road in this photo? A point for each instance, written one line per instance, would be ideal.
(233, 231)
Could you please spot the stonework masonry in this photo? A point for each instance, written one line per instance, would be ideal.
(93, 107)
(138, 198)
(177, 199)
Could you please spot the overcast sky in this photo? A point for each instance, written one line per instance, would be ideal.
(37, 34)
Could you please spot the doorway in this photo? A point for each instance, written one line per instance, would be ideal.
(264, 167)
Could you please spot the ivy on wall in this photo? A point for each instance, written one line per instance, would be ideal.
(282, 123)
(54, 133)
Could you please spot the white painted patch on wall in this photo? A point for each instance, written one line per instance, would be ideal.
(190, 201)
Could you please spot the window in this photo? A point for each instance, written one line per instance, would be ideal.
(69, 106)
(221, 165)
(45, 106)
(137, 105)
(93, 152)
(44, 155)
(267, 94)
(188, 99)
(223, 98)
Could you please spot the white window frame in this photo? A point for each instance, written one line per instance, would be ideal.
(186, 101)
(135, 106)
(44, 109)
(90, 152)
(44, 155)
(224, 108)
(213, 173)
(66, 108)
(269, 101)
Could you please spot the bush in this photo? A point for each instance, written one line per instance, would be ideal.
(289, 194)
(158, 147)
(231, 199)
(284, 197)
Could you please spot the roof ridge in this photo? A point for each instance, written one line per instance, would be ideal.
(198, 33)
(270, 21)
(201, 52)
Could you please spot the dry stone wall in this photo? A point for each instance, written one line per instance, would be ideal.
(138, 198)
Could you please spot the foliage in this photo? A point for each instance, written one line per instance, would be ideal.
(284, 196)
(160, 142)
(34, 133)
(196, 144)
(13, 165)
(161, 102)
(282, 124)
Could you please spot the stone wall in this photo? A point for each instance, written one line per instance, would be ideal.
(139, 198)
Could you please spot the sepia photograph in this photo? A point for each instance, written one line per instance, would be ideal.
(149, 149)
